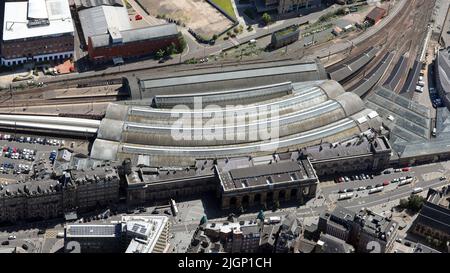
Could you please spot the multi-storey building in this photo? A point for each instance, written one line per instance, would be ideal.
(133, 234)
(279, 180)
(45, 199)
(375, 233)
(37, 31)
(30, 200)
(434, 217)
(338, 223)
(365, 230)
(356, 154)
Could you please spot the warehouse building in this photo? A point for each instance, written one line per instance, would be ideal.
(375, 15)
(37, 31)
(132, 43)
(84, 4)
(98, 19)
(109, 35)
(282, 7)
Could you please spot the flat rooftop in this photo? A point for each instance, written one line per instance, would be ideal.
(229, 75)
(53, 18)
(267, 175)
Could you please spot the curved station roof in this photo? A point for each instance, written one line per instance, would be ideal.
(259, 120)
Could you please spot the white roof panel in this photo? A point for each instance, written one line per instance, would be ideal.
(15, 25)
(37, 9)
(373, 114)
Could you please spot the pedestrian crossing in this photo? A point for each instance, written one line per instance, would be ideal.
(51, 233)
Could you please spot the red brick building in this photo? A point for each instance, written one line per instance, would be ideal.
(376, 15)
(36, 31)
(131, 43)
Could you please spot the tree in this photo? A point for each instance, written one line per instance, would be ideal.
(171, 49)
(404, 203)
(266, 18)
(181, 43)
(203, 220)
(160, 53)
(215, 36)
(415, 202)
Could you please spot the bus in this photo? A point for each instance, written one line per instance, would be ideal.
(345, 196)
(375, 190)
(174, 207)
(405, 182)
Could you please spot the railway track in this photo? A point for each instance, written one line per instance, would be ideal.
(403, 35)
(39, 102)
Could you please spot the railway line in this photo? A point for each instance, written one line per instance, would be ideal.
(403, 36)
(36, 102)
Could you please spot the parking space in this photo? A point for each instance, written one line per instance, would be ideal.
(18, 152)
(361, 185)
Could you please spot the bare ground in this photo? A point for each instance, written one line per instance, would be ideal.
(198, 15)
